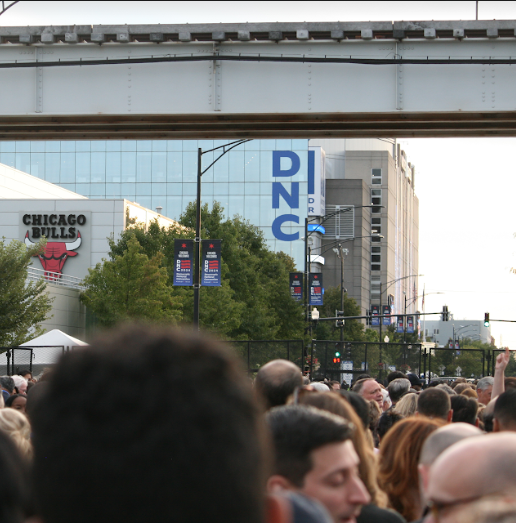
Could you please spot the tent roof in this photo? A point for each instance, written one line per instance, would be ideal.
(54, 338)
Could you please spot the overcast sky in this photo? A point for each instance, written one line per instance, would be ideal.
(465, 186)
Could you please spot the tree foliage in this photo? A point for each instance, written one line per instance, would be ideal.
(254, 299)
(131, 286)
(23, 304)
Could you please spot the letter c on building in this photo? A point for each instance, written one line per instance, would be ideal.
(279, 221)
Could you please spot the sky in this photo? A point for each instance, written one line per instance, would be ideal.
(465, 186)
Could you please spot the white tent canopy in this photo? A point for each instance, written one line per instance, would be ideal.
(49, 346)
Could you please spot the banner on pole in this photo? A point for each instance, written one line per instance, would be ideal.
(386, 320)
(316, 288)
(399, 324)
(410, 324)
(211, 275)
(296, 285)
(183, 262)
(375, 315)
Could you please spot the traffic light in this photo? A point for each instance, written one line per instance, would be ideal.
(336, 357)
(339, 323)
(336, 360)
(445, 316)
(486, 319)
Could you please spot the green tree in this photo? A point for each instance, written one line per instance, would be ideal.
(23, 305)
(131, 286)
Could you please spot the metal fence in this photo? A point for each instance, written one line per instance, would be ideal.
(465, 363)
(345, 360)
(255, 354)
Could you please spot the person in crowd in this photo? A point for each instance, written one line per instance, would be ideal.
(395, 374)
(504, 413)
(461, 387)
(446, 388)
(399, 458)
(17, 427)
(437, 443)
(469, 471)
(319, 386)
(334, 385)
(17, 402)
(367, 467)
(415, 382)
(370, 390)
(407, 405)
(186, 443)
(435, 403)
(470, 393)
(464, 409)
(385, 423)
(20, 384)
(314, 456)
(374, 415)
(7, 386)
(27, 374)
(276, 381)
(387, 403)
(14, 483)
(397, 388)
(484, 389)
(359, 404)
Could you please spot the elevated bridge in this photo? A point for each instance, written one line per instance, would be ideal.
(396, 79)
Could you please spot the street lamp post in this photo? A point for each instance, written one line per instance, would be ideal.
(197, 250)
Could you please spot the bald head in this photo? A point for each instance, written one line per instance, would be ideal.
(474, 467)
(443, 438)
(277, 380)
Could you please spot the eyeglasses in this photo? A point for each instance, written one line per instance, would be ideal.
(437, 507)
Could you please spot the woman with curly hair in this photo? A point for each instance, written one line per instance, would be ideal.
(399, 458)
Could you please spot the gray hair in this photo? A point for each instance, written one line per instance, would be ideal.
(446, 389)
(320, 387)
(485, 383)
(398, 387)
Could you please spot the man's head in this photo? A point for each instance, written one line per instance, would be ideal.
(464, 409)
(20, 383)
(370, 390)
(397, 388)
(277, 380)
(7, 384)
(435, 403)
(176, 436)
(315, 456)
(504, 414)
(469, 470)
(395, 374)
(437, 443)
(484, 389)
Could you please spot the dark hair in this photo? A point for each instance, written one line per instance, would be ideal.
(276, 381)
(464, 409)
(510, 382)
(25, 372)
(394, 375)
(14, 483)
(386, 421)
(504, 408)
(434, 403)
(10, 400)
(359, 404)
(7, 383)
(296, 432)
(133, 444)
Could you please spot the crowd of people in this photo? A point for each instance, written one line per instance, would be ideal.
(162, 425)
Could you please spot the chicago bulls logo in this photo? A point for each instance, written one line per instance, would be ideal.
(55, 255)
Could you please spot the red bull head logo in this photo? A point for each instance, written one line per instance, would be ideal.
(55, 255)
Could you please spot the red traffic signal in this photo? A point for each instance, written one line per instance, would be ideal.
(336, 360)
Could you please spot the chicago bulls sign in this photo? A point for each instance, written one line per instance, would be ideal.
(54, 226)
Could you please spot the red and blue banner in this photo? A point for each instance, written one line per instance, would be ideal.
(400, 324)
(386, 320)
(183, 262)
(211, 262)
(296, 285)
(375, 315)
(315, 285)
(410, 324)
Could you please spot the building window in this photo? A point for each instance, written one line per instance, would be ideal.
(376, 176)
(376, 239)
(376, 267)
(376, 201)
(342, 222)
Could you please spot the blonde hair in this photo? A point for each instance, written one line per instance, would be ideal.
(17, 427)
(407, 405)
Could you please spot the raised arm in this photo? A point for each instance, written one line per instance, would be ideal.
(499, 376)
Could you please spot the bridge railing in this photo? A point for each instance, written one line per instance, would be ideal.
(55, 278)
